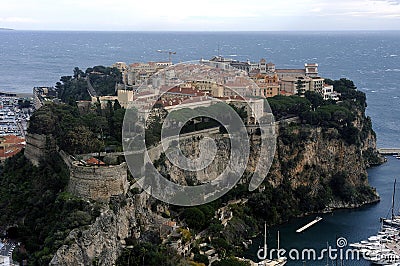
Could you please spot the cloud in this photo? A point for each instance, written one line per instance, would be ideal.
(200, 15)
(18, 20)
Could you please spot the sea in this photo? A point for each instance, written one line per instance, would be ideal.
(370, 58)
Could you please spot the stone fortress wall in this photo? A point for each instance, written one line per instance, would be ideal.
(97, 183)
(37, 146)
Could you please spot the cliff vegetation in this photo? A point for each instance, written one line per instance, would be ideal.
(320, 164)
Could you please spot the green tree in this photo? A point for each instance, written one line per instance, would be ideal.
(315, 99)
(300, 87)
(117, 105)
(194, 218)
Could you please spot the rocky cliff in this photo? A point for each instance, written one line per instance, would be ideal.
(102, 242)
(306, 156)
(314, 168)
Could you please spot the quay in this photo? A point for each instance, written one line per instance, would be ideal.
(308, 225)
(389, 151)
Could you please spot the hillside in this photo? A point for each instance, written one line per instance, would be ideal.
(320, 163)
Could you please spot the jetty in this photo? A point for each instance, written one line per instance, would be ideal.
(389, 151)
(308, 225)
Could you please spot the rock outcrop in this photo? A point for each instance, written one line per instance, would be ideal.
(102, 242)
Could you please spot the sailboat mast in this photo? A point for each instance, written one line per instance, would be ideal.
(278, 242)
(265, 238)
(394, 192)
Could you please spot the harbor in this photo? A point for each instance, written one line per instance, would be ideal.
(15, 112)
(355, 225)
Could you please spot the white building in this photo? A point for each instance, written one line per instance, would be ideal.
(329, 94)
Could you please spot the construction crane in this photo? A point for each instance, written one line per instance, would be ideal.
(168, 52)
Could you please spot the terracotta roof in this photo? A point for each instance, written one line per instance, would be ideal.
(12, 139)
(94, 161)
(186, 91)
(11, 145)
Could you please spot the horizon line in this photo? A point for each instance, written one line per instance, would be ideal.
(200, 31)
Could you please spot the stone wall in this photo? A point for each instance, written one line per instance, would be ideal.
(88, 182)
(98, 182)
(38, 146)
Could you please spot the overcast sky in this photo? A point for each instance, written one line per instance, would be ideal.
(187, 15)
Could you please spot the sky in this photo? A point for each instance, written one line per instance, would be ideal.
(201, 15)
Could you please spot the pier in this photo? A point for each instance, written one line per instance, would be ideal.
(308, 225)
(389, 151)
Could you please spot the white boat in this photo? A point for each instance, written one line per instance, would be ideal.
(280, 261)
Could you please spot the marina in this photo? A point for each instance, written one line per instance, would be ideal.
(14, 115)
(355, 225)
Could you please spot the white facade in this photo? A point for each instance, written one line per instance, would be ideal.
(329, 94)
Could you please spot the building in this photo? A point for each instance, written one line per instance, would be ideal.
(289, 85)
(41, 95)
(10, 145)
(316, 83)
(290, 73)
(137, 73)
(253, 106)
(268, 85)
(262, 66)
(124, 97)
(238, 86)
(309, 70)
(123, 68)
(210, 87)
(328, 93)
(104, 100)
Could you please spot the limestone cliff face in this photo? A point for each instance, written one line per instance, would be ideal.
(101, 242)
(306, 156)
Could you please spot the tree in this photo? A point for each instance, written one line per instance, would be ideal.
(300, 87)
(194, 218)
(117, 105)
(201, 258)
(78, 73)
(315, 99)
(81, 140)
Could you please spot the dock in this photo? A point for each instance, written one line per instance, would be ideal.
(308, 225)
(389, 151)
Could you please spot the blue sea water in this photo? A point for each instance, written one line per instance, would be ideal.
(370, 59)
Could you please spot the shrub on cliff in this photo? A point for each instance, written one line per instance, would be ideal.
(33, 201)
(76, 133)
